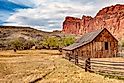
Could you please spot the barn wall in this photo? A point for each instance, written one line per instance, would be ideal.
(96, 48)
(105, 36)
(84, 51)
(64, 52)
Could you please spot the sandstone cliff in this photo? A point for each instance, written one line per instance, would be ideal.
(111, 18)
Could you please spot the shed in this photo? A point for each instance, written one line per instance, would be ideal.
(97, 44)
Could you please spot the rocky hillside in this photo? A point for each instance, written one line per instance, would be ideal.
(12, 32)
(22, 38)
(111, 18)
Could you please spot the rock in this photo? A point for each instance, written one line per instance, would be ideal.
(111, 18)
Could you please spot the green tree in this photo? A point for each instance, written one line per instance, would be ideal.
(68, 40)
(16, 44)
(28, 44)
(122, 43)
(57, 42)
(50, 43)
(53, 42)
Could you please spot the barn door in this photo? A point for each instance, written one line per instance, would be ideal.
(107, 49)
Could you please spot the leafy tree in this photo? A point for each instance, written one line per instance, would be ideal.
(44, 43)
(35, 41)
(21, 44)
(50, 42)
(56, 43)
(28, 44)
(68, 40)
(123, 43)
(3, 45)
(53, 42)
(16, 44)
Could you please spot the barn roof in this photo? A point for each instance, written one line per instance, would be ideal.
(87, 38)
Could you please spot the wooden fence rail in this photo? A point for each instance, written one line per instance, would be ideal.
(99, 66)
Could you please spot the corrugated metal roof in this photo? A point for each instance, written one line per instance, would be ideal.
(88, 37)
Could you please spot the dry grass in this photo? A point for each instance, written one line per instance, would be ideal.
(39, 66)
(11, 53)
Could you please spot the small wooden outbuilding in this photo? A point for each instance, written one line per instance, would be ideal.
(97, 44)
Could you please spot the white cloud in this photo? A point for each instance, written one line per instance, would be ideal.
(28, 2)
(50, 14)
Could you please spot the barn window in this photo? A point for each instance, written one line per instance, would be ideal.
(106, 45)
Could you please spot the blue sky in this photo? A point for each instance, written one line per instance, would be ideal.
(48, 15)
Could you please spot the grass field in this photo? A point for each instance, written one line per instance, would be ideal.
(44, 66)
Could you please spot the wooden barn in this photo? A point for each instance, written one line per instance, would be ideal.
(97, 44)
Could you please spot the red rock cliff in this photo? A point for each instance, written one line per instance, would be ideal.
(111, 18)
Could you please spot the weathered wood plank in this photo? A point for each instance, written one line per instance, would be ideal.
(106, 61)
(108, 67)
(113, 64)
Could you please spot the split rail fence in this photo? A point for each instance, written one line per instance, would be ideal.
(109, 68)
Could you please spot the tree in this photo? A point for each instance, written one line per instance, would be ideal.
(50, 43)
(122, 43)
(16, 44)
(28, 44)
(57, 43)
(68, 40)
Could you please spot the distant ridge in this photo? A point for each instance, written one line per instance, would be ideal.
(11, 32)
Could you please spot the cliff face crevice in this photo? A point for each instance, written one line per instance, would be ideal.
(111, 18)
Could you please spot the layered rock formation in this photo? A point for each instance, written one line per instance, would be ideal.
(111, 18)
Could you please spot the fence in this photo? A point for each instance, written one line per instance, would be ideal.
(121, 51)
(99, 66)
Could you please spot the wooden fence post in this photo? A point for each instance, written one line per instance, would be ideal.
(69, 57)
(87, 65)
(76, 59)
